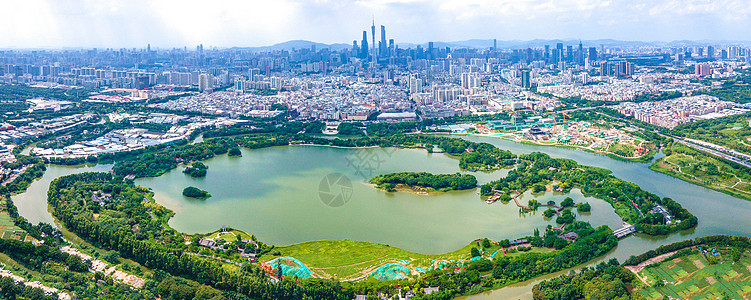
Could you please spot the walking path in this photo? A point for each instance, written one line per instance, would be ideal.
(35, 284)
(100, 266)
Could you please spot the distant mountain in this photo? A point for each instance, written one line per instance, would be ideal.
(296, 44)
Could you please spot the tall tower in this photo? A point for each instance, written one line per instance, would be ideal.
(372, 33)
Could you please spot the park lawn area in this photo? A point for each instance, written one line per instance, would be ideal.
(705, 170)
(346, 259)
(627, 211)
(622, 149)
(230, 236)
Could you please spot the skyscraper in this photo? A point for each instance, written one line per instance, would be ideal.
(364, 45)
(526, 82)
(592, 54)
(710, 52)
(204, 82)
(382, 45)
(470, 80)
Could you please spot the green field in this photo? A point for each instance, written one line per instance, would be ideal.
(695, 277)
(705, 170)
(622, 149)
(8, 229)
(347, 260)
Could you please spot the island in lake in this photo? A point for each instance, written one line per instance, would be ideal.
(194, 192)
(423, 182)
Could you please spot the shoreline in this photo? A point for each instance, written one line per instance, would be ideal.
(660, 170)
(408, 189)
(642, 159)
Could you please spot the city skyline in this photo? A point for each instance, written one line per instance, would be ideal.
(167, 24)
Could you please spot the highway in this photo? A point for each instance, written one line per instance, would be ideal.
(717, 153)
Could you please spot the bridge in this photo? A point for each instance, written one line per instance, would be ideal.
(624, 231)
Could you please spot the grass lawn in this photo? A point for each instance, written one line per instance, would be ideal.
(346, 259)
(705, 170)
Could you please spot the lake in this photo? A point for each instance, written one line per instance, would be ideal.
(276, 194)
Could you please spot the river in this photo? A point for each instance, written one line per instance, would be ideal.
(273, 193)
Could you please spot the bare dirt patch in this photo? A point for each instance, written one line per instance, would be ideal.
(699, 264)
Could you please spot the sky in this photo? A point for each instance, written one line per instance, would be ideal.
(247, 23)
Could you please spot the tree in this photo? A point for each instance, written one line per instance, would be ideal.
(194, 192)
(234, 152)
(568, 202)
(474, 252)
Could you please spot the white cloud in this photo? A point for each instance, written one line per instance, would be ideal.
(168, 23)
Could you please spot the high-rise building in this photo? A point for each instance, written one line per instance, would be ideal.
(382, 45)
(559, 57)
(240, 84)
(204, 82)
(569, 53)
(710, 52)
(526, 80)
(470, 80)
(253, 74)
(364, 45)
(592, 54)
(415, 85)
(702, 70)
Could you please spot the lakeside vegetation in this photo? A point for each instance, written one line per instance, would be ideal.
(424, 181)
(536, 170)
(706, 170)
(108, 225)
(148, 240)
(713, 267)
(196, 170)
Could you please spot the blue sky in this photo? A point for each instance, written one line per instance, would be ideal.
(226, 23)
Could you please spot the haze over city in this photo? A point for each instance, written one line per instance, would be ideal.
(230, 23)
(375, 149)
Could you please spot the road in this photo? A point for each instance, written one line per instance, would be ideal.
(729, 157)
(717, 153)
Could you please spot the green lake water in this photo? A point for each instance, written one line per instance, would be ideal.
(273, 193)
